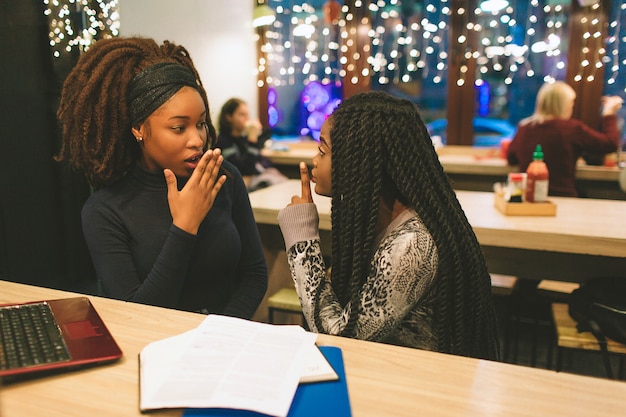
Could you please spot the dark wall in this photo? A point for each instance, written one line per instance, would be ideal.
(40, 236)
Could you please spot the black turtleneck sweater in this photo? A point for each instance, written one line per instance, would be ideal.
(140, 256)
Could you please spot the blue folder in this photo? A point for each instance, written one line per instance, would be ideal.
(328, 398)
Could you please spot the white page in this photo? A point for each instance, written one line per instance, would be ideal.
(156, 362)
(317, 368)
(227, 363)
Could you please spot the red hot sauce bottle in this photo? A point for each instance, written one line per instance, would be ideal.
(537, 179)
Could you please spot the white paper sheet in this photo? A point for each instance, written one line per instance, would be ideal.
(317, 368)
(227, 363)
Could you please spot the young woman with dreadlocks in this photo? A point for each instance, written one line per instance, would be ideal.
(170, 222)
(407, 268)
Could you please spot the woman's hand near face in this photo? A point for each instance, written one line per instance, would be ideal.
(611, 105)
(306, 196)
(190, 205)
(254, 128)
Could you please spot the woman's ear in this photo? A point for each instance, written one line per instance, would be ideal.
(137, 132)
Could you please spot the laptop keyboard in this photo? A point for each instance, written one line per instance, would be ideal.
(30, 336)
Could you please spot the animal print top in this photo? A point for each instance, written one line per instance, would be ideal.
(397, 298)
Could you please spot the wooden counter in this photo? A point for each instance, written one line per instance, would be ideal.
(470, 168)
(587, 237)
(383, 380)
(581, 226)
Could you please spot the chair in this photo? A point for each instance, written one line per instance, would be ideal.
(503, 286)
(568, 337)
(286, 301)
(550, 292)
(556, 290)
(533, 304)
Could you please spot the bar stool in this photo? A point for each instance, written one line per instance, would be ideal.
(503, 286)
(533, 304)
(568, 337)
(554, 292)
(285, 301)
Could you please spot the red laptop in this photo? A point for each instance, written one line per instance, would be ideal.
(52, 334)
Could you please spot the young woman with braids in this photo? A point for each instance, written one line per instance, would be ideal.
(170, 222)
(407, 268)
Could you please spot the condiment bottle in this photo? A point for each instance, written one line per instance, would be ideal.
(515, 186)
(537, 179)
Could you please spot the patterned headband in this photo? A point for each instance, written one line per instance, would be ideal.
(154, 86)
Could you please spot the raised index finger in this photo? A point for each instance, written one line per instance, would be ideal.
(306, 183)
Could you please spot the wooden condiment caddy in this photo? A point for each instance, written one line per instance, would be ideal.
(547, 208)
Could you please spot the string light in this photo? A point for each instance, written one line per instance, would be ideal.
(398, 52)
(612, 57)
(462, 49)
(403, 48)
(592, 49)
(76, 24)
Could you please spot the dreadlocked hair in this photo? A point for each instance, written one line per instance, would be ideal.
(380, 143)
(93, 110)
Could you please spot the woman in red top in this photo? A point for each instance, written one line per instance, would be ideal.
(562, 138)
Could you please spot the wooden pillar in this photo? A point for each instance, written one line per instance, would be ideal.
(357, 42)
(461, 66)
(587, 81)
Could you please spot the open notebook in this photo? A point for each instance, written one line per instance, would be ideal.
(52, 334)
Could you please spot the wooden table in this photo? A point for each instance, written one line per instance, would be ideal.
(470, 168)
(454, 159)
(587, 237)
(383, 380)
(489, 161)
